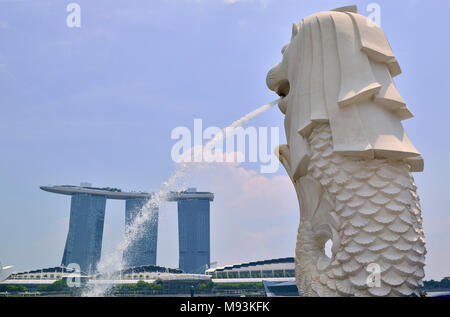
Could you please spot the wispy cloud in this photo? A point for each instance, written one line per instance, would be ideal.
(253, 216)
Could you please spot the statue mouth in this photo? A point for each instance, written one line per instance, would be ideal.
(283, 91)
(283, 88)
(277, 81)
(283, 104)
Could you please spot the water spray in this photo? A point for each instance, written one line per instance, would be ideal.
(112, 263)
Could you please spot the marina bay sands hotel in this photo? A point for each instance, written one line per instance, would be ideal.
(87, 215)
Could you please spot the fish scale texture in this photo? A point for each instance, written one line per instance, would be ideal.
(379, 222)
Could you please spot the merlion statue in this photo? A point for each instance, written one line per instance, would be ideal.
(350, 159)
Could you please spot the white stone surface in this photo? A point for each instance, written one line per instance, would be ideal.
(349, 159)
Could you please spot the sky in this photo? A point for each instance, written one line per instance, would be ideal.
(98, 104)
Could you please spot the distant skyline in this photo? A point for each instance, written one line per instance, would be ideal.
(98, 103)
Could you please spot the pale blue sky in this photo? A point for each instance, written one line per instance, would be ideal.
(98, 104)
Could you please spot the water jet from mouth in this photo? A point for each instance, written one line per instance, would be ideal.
(110, 264)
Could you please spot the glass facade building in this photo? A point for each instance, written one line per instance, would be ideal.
(142, 250)
(84, 240)
(194, 235)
